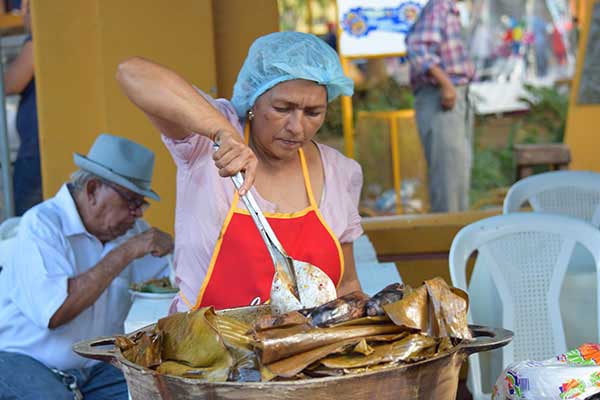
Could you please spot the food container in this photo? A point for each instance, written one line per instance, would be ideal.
(433, 378)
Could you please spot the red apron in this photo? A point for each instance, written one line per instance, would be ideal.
(241, 269)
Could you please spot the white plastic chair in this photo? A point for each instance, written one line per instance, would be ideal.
(573, 193)
(9, 228)
(525, 257)
(8, 233)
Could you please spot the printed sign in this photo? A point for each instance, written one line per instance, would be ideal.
(376, 27)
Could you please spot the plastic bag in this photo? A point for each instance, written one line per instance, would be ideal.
(573, 375)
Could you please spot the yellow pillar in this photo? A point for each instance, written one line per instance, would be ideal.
(582, 118)
(77, 47)
(347, 118)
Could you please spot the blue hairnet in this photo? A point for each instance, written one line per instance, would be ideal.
(284, 56)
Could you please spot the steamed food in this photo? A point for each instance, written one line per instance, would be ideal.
(162, 285)
(337, 338)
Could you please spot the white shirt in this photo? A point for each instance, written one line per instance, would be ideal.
(52, 246)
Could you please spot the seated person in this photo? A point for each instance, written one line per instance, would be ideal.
(74, 258)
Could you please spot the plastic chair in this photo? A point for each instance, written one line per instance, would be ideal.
(572, 193)
(9, 228)
(524, 256)
(8, 233)
(575, 194)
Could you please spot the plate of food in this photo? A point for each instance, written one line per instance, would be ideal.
(154, 289)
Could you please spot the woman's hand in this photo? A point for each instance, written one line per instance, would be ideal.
(234, 156)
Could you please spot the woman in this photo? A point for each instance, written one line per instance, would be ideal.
(19, 79)
(309, 192)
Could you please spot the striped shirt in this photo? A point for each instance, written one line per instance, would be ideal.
(436, 39)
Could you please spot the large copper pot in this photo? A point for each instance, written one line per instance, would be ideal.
(434, 378)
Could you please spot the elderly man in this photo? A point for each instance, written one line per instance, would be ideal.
(75, 256)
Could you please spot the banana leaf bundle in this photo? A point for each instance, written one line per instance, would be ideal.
(144, 348)
(197, 345)
(337, 338)
(434, 309)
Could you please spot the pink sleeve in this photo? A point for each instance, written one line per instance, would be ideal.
(343, 184)
(186, 152)
(354, 186)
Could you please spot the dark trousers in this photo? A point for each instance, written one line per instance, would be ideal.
(24, 378)
(27, 184)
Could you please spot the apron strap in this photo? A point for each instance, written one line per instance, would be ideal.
(307, 184)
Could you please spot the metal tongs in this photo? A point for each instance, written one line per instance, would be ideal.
(296, 284)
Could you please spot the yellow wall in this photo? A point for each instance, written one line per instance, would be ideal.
(78, 45)
(581, 135)
(237, 24)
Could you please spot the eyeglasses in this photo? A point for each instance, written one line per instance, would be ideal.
(134, 203)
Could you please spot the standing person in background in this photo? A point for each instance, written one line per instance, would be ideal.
(440, 72)
(19, 79)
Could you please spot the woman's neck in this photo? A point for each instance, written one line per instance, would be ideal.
(274, 165)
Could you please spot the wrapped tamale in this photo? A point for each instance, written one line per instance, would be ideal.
(433, 309)
(412, 311)
(291, 366)
(342, 309)
(277, 344)
(286, 320)
(409, 348)
(246, 366)
(193, 339)
(143, 349)
(390, 294)
(449, 317)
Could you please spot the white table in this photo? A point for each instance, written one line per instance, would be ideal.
(146, 311)
(372, 275)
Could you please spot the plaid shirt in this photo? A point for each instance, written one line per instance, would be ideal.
(436, 39)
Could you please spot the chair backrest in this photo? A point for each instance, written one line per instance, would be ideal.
(9, 227)
(572, 193)
(523, 257)
(8, 232)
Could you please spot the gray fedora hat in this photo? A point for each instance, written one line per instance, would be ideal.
(120, 161)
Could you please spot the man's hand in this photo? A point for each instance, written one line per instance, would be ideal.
(234, 156)
(447, 89)
(448, 96)
(153, 241)
(84, 289)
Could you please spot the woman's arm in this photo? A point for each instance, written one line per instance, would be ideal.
(173, 104)
(177, 110)
(349, 281)
(20, 72)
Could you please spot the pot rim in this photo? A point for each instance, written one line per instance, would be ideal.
(485, 338)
